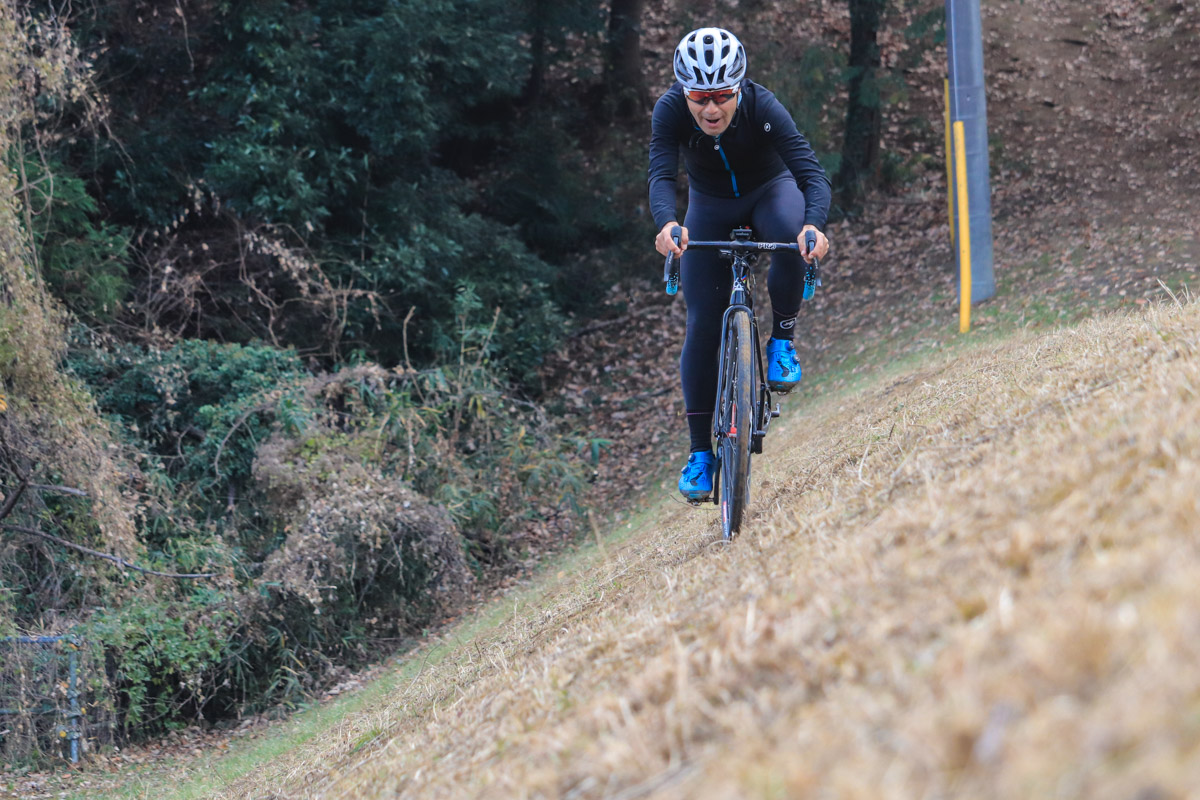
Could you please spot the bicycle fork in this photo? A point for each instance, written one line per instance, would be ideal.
(763, 412)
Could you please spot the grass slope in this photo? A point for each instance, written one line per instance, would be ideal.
(978, 578)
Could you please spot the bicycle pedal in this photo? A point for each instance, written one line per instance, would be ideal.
(775, 411)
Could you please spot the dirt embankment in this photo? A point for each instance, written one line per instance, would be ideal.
(977, 579)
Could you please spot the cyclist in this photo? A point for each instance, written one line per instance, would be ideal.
(745, 161)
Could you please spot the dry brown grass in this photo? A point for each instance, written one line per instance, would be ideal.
(978, 580)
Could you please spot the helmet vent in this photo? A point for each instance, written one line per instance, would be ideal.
(710, 58)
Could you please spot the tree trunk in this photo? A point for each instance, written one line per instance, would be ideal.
(623, 58)
(537, 72)
(864, 116)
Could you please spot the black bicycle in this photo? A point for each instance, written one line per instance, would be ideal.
(743, 408)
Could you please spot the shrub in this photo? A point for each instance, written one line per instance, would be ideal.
(196, 411)
(347, 165)
(363, 557)
(165, 653)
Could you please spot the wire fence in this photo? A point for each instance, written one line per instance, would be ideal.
(54, 699)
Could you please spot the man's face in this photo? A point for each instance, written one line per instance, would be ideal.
(713, 111)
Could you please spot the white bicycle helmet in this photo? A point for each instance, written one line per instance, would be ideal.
(710, 58)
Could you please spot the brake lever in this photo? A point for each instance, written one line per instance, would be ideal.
(670, 268)
(812, 272)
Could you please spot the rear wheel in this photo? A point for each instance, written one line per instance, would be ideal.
(734, 422)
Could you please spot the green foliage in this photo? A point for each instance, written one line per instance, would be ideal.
(561, 207)
(455, 433)
(422, 273)
(200, 411)
(543, 195)
(83, 259)
(928, 28)
(196, 411)
(309, 90)
(165, 654)
(353, 129)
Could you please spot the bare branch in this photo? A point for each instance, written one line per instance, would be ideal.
(109, 556)
(11, 502)
(60, 489)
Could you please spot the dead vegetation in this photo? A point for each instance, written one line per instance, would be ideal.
(50, 432)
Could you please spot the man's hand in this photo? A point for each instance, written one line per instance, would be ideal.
(665, 245)
(822, 244)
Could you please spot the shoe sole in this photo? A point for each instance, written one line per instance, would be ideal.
(780, 388)
(696, 497)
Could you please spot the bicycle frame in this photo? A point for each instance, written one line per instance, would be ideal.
(732, 375)
(743, 252)
(741, 299)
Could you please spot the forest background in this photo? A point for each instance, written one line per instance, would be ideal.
(283, 285)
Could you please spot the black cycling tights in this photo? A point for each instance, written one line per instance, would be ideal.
(776, 213)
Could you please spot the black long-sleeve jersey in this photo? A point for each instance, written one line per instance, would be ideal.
(760, 143)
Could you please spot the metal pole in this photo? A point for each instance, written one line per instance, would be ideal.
(73, 697)
(949, 162)
(968, 105)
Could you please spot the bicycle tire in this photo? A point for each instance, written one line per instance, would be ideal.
(734, 422)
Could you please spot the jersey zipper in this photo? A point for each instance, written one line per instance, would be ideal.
(732, 177)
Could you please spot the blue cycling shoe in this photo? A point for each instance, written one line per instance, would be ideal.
(783, 370)
(696, 477)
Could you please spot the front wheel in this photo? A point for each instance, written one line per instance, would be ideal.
(734, 422)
